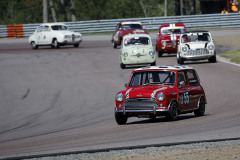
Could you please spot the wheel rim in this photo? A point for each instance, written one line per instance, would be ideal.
(174, 112)
(55, 43)
(33, 44)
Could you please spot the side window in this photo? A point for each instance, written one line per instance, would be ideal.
(182, 79)
(46, 28)
(192, 78)
(40, 29)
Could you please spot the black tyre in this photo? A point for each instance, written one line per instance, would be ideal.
(180, 61)
(123, 66)
(173, 112)
(55, 43)
(153, 64)
(160, 54)
(34, 45)
(120, 118)
(76, 45)
(114, 45)
(212, 59)
(201, 110)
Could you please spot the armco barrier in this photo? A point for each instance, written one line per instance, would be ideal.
(99, 26)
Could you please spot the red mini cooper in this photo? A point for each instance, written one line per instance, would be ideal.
(168, 37)
(160, 91)
(125, 28)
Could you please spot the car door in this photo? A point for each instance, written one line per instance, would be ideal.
(183, 94)
(46, 39)
(115, 36)
(194, 89)
(39, 35)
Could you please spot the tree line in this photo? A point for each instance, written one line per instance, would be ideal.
(31, 11)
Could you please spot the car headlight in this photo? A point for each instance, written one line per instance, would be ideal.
(125, 54)
(119, 97)
(184, 48)
(160, 96)
(210, 47)
(151, 53)
(164, 43)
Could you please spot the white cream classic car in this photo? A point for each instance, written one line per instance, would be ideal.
(54, 34)
(196, 45)
(137, 49)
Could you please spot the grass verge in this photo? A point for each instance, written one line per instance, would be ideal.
(232, 55)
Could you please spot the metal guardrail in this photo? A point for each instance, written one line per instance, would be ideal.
(153, 23)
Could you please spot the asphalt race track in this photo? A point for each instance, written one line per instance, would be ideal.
(62, 100)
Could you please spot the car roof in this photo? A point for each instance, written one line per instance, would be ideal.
(137, 35)
(52, 24)
(164, 67)
(130, 22)
(197, 31)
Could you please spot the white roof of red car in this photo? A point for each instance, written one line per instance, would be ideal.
(167, 67)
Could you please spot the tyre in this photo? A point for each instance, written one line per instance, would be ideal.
(173, 112)
(201, 110)
(153, 64)
(180, 61)
(55, 43)
(123, 66)
(34, 45)
(76, 45)
(120, 118)
(212, 59)
(114, 45)
(160, 54)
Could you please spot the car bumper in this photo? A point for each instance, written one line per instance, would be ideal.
(154, 111)
(197, 57)
(138, 60)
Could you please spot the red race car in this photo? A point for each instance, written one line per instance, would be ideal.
(168, 38)
(160, 91)
(124, 28)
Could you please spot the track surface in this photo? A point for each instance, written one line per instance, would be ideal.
(62, 100)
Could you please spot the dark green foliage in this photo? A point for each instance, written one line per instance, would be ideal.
(31, 11)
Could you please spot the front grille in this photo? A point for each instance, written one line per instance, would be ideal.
(198, 52)
(140, 104)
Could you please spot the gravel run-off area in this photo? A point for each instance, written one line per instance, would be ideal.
(224, 150)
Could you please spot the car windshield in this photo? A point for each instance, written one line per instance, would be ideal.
(58, 27)
(136, 41)
(132, 26)
(168, 30)
(152, 78)
(195, 37)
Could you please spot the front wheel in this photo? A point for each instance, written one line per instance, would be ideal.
(153, 64)
(180, 61)
(55, 44)
(114, 45)
(76, 45)
(212, 59)
(201, 109)
(120, 118)
(123, 66)
(173, 112)
(34, 45)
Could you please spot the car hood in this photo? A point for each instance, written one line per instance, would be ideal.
(195, 45)
(144, 91)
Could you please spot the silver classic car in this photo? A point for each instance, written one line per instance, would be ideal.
(137, 49)
(196, 45)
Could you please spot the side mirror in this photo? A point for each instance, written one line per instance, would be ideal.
(182, 83)
(125, 85)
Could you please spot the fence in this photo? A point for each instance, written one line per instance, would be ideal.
(99, 26)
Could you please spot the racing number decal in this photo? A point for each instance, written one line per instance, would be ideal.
(184, 99)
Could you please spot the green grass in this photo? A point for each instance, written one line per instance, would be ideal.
(233, 55)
